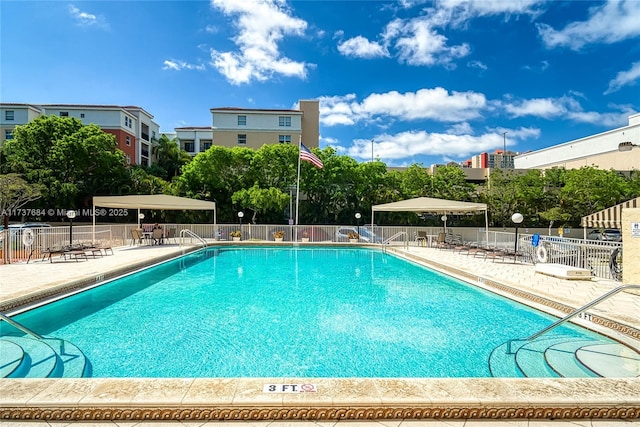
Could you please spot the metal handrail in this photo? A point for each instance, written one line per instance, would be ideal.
(582, 309)
(20, 326)
(192, 234)
(398, 234)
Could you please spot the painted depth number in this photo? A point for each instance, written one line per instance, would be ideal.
(289, 388)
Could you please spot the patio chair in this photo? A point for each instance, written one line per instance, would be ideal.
(136, 236)
(171, 235)
(157, 235)
(421, 238)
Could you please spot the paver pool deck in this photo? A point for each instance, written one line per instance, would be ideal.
(390, 401)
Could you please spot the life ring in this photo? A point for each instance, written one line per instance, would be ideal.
(27, 237)
(541, 253)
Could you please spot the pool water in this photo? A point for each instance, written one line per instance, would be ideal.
(288, 312)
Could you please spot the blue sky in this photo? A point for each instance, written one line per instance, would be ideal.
(426, 81)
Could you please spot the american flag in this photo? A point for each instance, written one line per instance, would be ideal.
(307, 155)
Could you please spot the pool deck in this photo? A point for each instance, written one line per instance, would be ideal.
(388, 402)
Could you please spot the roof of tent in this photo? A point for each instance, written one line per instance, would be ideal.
(153, 201)
(427, 204)
(610, 217)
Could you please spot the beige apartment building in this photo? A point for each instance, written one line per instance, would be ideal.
(253, 128)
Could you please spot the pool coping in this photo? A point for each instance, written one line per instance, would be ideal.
(332, 398)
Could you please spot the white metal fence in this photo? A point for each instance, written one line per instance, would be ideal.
(592, 254)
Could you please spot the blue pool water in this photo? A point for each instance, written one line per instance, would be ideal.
(288, 312)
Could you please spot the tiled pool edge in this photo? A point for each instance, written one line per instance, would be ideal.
(336, 399)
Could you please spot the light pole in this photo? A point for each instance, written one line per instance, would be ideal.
(517, 219)
(71, 214)
(240, 215)
(372, 151)
(140, 218)
(504, 150)
(444, 220)
(358, 216)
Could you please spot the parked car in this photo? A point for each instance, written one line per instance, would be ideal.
(611, 235)
(366, 235)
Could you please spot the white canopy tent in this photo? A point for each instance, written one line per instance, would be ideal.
(151, 201)
(436, 206)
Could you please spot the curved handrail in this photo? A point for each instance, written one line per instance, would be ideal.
(582, 309)
(398, 234)
(192, 234)
(20, 326)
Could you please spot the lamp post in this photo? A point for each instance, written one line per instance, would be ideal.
(372, 151)
(71, 214)
(358, 216)
(240, 215)
(517, 219)
(140, 218)
(504, 150)
(444, 220)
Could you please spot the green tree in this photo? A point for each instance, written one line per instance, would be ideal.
(260, 200)
(450, 182)
(71, 161)
(169, 158)
(15, 192)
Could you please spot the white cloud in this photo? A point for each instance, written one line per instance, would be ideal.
(433, 104)
(418, 43)
(261, 24)
(624, 78)
(177, 65)
(360, 47)
(612, 22)
(477, 64)
(412, 143)
(564, 107)
(85, 19)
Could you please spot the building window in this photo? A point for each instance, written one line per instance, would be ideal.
(9, 115)
(64, 114)
(8, 134)
(284, 139)
(284, 121)
(128, 141)
(189, 146)
(242, 139)
(82, 115)
(242, 120)
(205, 144)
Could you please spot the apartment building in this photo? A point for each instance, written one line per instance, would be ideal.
(133, 127)
(617, 149)
(499, 159)
(242, 127)
(194, 139)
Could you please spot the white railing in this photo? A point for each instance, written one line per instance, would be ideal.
(592, 254)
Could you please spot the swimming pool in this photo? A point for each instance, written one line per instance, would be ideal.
(288, 312)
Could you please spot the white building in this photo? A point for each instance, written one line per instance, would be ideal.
(617, 149)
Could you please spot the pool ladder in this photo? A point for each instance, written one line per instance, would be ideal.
(192, 234)
(395, 236)
(574, 313)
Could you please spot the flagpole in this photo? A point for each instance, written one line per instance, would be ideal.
(298, 180)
